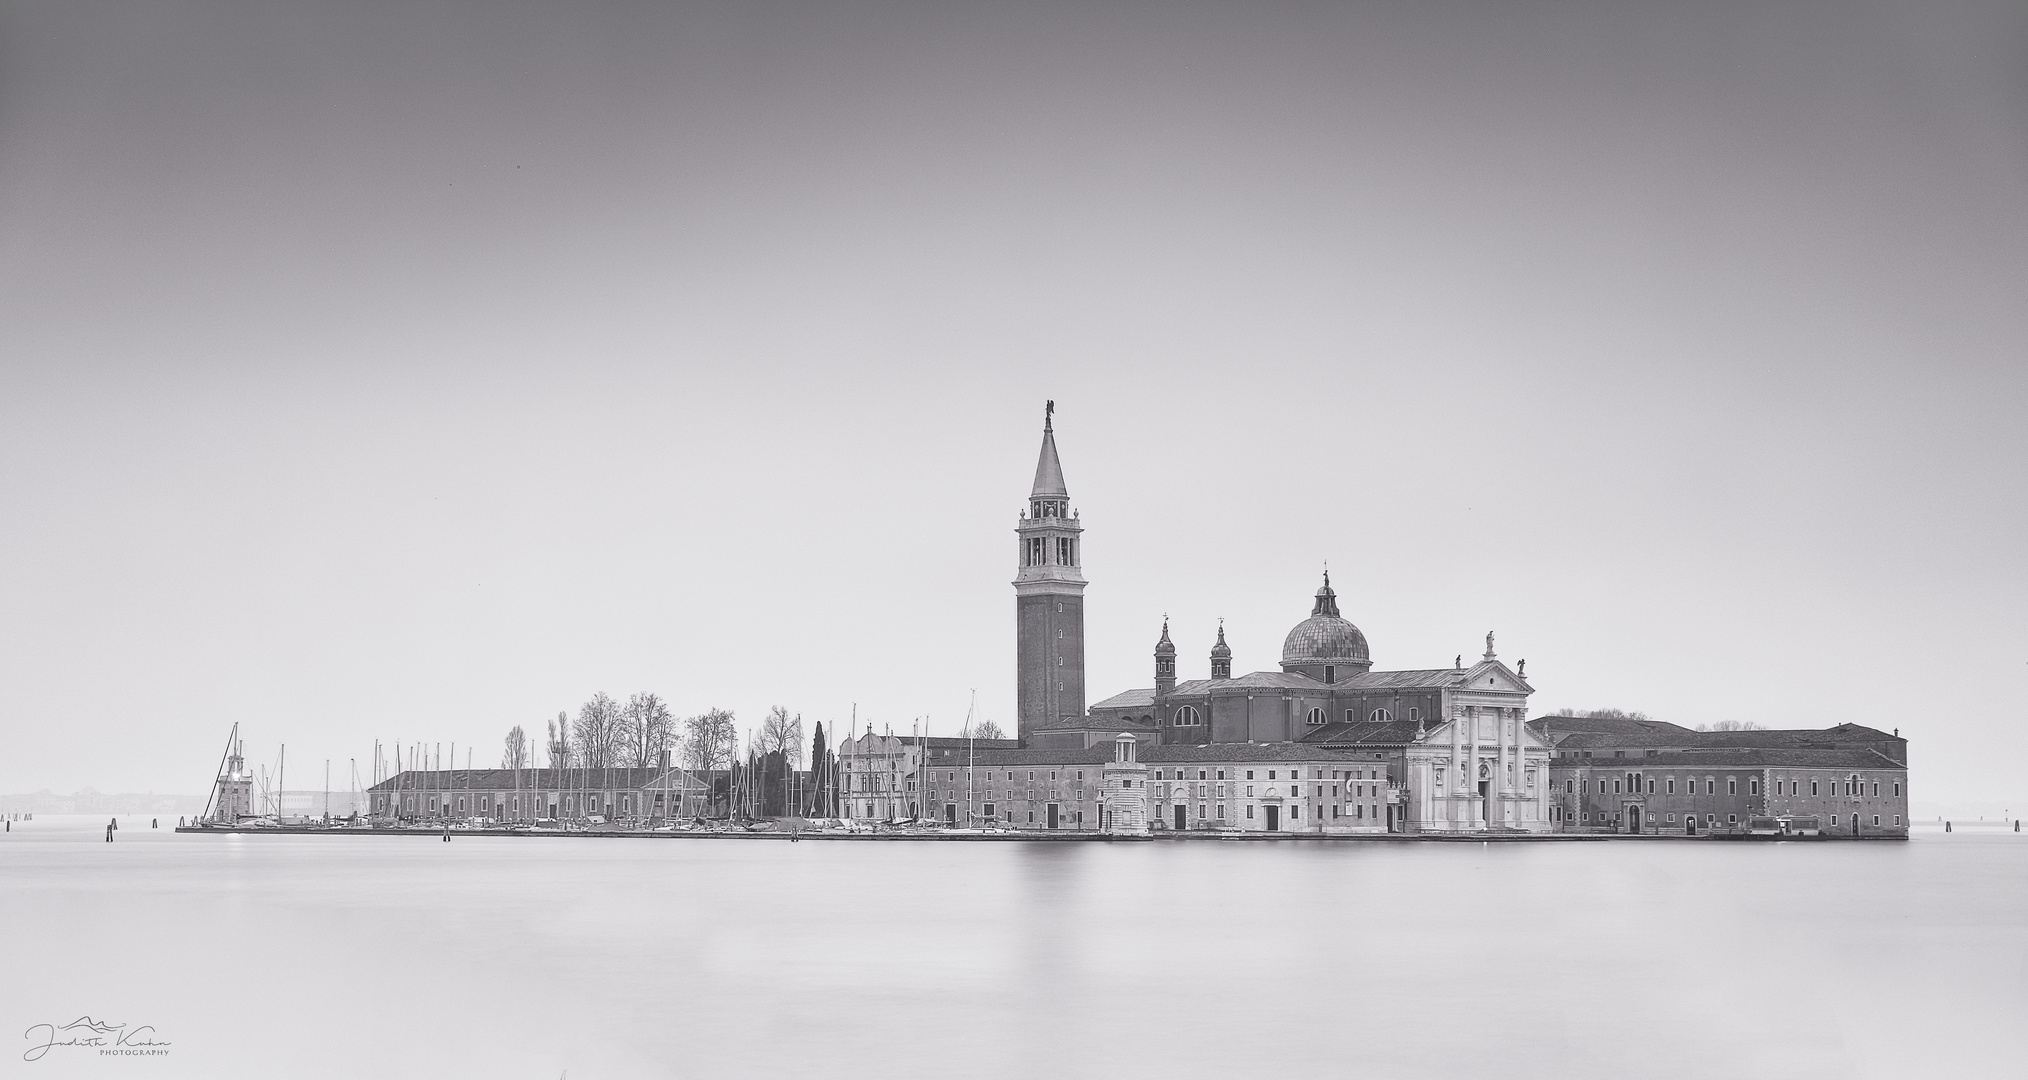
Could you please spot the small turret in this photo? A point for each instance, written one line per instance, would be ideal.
(1221, 655)
(1165, 662)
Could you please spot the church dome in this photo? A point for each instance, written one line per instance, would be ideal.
(1324, 637)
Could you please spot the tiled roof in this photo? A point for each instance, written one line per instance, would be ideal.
(1129, 699)
(1606, 725)
(525, 779)
(1584, 740)
(1257, 680)
(1843, 734)
(1736, 757)
(1392, 680)
(1387, 733)
(1085, 723)
(941, 742)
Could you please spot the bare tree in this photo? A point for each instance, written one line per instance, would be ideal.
(1732, 725)
(986, 729)
(649, 730)
(599, 735)
(558, 747)
(515, 756)
(710, 740)
(782, 734)
(1602, 714)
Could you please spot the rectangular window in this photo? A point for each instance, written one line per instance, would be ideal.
(1271, 774)
(1732, 785)
(1753, 785)
(1710, 786)
(1616, 787)
(1876, 819)
(1249, 774)
(1876, 793)
(1813, 787)
(1249, 806)
(1221, 810)
(1897, 819)
(1570, 787)
(1834, 821)
(1897, 791)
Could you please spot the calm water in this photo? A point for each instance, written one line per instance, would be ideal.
(315, 956)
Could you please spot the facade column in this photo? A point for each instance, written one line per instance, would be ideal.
(1500, 786)
(1472, 777)
(1450, 794)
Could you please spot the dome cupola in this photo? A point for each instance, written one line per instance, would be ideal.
(1325, 646)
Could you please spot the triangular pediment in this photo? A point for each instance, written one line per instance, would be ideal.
(1494, 675)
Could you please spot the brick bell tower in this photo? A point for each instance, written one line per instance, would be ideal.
(1049, 598)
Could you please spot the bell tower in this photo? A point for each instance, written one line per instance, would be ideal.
(1049, 598)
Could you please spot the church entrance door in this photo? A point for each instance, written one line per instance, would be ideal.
(1485, 802)
(1182, 817)
(1633, 819)
(1274, 819)
(1052, 815)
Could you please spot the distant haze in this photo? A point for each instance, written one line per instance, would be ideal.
(413, 371)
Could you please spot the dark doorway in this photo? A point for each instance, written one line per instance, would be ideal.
(1689, 825)
(1052, 815)
(1633, 819)
(1485, 802)
(1182, 817)
(1274, 818)
(950, 813)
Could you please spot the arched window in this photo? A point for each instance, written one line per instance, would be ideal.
(1187, 717)
(1316, 717)
(1380, 716)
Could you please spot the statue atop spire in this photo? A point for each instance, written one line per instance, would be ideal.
(1048, 416)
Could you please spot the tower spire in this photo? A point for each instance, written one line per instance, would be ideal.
(1048, 470)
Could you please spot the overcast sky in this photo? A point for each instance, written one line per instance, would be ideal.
(411, 371)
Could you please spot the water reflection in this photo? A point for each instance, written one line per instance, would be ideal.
(313, 956)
